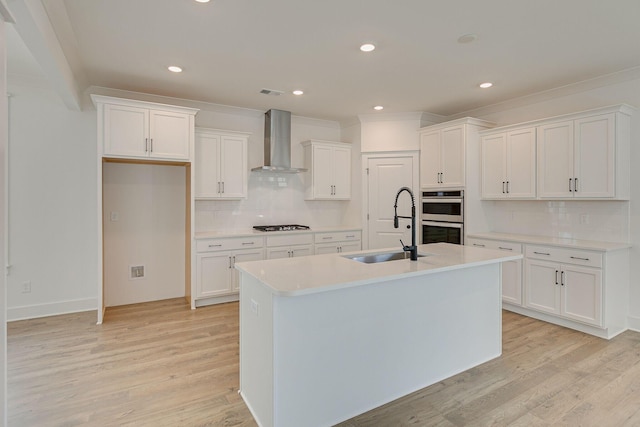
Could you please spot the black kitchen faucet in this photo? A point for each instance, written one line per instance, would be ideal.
(413, 249)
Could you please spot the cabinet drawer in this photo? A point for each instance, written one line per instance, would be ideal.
(290, 239)
(226, 244)
(338, 236)
(565, 255)
(515, 248)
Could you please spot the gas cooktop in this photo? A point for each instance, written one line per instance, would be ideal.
(286, 227)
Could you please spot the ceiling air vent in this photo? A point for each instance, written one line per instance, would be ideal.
(271, 92)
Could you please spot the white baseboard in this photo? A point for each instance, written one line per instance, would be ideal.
(51, 309)
(634, 323)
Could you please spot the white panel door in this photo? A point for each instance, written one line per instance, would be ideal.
(594, 156)
(555, 160)
(169, 134)
(542, 284)
(430, 160)
(386, 176)
(494, 174)
(126, 131)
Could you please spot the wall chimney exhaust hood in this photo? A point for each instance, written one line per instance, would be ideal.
(277, 143)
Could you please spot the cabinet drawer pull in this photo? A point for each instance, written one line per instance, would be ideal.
(350, 236)
(505, 249)
(215, 246)
(479, 245)
(541, 253)
(248, 243)
(327, 238)
(581, 259)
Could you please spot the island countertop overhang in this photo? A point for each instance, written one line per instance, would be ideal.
(322, 273)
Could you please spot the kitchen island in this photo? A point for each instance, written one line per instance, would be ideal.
(324, 338)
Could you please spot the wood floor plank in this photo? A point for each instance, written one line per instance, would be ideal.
(162, 364)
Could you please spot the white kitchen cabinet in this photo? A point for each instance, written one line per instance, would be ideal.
(511, 270)
(221, 170)
(289, 245)
(585, 155)
(144, 130)
(509, 164)
(442, 157)
(216, 275)
(329, 170)
(564, 282)
(338, 242)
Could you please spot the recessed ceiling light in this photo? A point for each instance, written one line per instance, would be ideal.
(467, 38)
(486, 85)
(298, 92)
(378, 107)
(175, 69)
(367, 47)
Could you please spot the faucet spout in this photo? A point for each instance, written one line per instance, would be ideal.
(413, 249)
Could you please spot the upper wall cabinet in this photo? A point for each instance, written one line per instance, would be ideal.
(443, 150)
(329, 170)
(220, 163)
(144, 130)
(585, 155)
(509, 164)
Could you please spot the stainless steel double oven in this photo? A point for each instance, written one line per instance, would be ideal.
(443, 217)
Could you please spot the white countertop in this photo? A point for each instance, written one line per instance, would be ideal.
(321, 273)
(214, 234)
(552, 241)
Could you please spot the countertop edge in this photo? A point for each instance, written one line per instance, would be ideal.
(591, 245)
(221, 234)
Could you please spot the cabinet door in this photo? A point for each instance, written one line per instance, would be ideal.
(494, 173)
(542, 286)
(327, 248)
(350, 246)
(555, 160)
(233, 167)
(582, 294)
(126, 131)
(169, 134)
(301, 250)
(213, 274)
(430, 160)
(279, 252)
(243, 256)
(512, 282)
(521, 163)
(453, 159)
(322, 170)
(342, 173)
(207, 166)
(595, 156)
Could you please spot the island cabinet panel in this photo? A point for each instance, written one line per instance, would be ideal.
(144, 130)
(511, 270)
(377, 342)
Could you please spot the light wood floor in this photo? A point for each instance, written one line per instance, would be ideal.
(161, 364)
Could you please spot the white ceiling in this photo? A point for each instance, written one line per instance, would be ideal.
(231, 49)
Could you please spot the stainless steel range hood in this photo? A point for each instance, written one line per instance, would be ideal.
(277, 143)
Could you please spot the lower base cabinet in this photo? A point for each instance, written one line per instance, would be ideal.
(338, 242)
(511, 270)
(216, 271)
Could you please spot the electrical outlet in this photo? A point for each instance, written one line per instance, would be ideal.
(25, 288)
(136, 272)
(115, 216)
(254, 306)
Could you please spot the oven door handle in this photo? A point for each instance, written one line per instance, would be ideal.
(441, 200)
(443, 224)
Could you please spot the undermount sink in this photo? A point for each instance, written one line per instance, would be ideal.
(380, 257)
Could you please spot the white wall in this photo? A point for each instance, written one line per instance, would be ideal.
(147, 203)
(390, 132)
(4, 132)
(52, 205)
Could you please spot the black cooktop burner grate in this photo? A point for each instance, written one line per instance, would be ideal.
(286, 227)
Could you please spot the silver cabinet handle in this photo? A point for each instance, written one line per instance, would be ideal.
(327, 238)
(581, 259)
(215, 246)
(350, 236)
(556, 277)
(248, 243)
(541, 253)
(479, 245)
(505, 249)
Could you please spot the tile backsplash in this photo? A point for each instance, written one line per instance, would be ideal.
(272, 199)
(586, 220)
